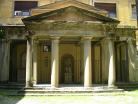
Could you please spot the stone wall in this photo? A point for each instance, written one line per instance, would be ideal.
(4, 60)
(123, 10)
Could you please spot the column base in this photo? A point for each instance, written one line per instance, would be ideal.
(28, 84)
(112, 87)
(54, 86)
(88, 86)
(34, 83)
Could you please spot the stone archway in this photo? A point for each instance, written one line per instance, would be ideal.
(67, 69)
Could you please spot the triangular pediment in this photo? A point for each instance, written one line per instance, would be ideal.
(70, 13)
(66, 3)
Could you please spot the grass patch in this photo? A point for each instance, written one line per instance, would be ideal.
(127, 97)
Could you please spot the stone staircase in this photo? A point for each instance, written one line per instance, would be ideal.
(11, 86)
(127, 85)
(64, 90)
(47, 90)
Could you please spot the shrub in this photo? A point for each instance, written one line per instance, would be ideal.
(2, 32)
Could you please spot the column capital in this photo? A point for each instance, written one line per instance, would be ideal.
(55, 39)
(35, 41)
(86, 38)
(109, 38)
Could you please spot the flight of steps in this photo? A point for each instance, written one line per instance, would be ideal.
(11, 86)
(67, 90)
(41, 90)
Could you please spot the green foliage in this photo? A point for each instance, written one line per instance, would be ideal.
(2, 32)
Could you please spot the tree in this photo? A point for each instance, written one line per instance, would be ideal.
(2, 32)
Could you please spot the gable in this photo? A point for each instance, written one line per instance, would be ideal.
(66, 3)
(70, 13)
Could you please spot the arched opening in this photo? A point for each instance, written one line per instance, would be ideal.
(67, 69)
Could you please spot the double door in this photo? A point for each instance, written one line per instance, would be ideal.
(122, 73)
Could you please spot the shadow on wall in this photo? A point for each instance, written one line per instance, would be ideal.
(4, 77)
(133, 61)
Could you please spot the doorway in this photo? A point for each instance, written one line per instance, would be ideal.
(67, 65)
(122, 73)
(17, 61)
(96, 64)
(44, 62)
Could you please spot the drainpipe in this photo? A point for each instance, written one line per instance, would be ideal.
(137, 10)
(137, 22)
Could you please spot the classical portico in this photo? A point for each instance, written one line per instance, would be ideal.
(73, 44)
(86, 45)
(67, 37)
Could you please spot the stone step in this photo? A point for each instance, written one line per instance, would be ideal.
(11, 86)
(68, 94)
(127, 85)
(63, 91)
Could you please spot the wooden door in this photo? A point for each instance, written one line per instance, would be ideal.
(96, 64)
(44, 63)
(67, 69)
(122, 74)
(18, 62)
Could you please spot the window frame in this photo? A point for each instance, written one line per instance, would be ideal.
(22, 10)
(114, 3)
(132, 17)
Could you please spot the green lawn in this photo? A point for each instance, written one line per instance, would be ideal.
(127, 97)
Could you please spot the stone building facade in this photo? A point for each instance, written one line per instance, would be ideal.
(68, 42)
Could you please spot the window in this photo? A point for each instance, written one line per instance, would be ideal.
(21, 8)
(110, 7)
(134, 12)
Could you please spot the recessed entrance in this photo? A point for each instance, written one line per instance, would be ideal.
(17, 61)
(96, 64)
(67, 69)
(44, 62)
(122, 73)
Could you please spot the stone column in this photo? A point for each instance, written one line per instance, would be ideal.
(34, 62)
(87, 62)
(55, 62)
(111, 75)
(28, 63)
